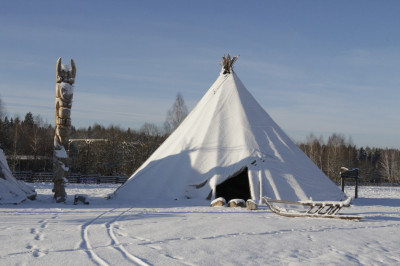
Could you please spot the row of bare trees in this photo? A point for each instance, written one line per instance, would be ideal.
(375, 165)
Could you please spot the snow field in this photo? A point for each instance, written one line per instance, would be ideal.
(108, 232)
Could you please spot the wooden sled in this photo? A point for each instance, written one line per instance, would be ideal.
(316, 209)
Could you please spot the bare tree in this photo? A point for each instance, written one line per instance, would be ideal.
(314, 149)
(389, 165)
(175, 115)
(150, 130)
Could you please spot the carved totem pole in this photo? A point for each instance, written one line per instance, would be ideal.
(64, 92)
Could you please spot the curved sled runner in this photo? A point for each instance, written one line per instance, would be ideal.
(316, 209)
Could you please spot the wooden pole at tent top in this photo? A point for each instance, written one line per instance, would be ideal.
(227, 63)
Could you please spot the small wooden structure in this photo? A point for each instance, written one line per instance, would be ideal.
(346, 173)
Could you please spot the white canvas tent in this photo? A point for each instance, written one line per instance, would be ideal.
(12, 190)
(229, 146)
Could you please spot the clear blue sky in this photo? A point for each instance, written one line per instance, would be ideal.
(315, 66)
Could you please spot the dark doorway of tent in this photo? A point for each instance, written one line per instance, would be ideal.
(235, 187)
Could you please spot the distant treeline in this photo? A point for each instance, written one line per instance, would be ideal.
(28, 144)
(375, 165)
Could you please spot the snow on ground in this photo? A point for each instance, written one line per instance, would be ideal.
(108, 232)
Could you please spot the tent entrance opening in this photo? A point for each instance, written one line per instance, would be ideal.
(236, 187)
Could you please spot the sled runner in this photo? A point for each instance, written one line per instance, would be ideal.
(316, 209)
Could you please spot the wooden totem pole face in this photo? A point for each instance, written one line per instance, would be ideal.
(64, 94)
(64, 73)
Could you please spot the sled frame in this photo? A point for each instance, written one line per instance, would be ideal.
(316, 209)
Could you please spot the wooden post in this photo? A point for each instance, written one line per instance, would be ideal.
(356, 189)
(342, 183)
(346, 173)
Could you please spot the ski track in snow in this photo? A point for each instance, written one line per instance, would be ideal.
(156, 250)
(110, 242)
(104, 225)
(277, 232)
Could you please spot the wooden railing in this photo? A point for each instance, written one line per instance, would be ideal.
(30, 177)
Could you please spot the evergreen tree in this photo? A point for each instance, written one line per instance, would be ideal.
(2, 112)
(29, 121)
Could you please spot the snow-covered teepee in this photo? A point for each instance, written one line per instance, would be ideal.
(228, 146)
(12, 190)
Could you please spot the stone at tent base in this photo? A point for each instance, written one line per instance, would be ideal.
(32, 197)
(81, 198)
(218, 202)
(236, 203)
(251, 205)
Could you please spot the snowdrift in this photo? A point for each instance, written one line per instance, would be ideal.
(12, 190)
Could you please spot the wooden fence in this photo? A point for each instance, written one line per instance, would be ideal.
(30, 177)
